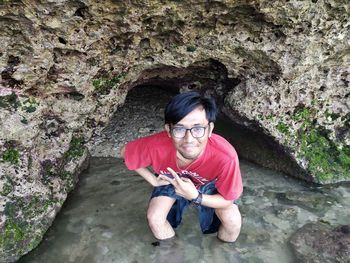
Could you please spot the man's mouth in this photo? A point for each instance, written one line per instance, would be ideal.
(188, 147)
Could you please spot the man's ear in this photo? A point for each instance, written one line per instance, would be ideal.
(211, 128)
(167, 128)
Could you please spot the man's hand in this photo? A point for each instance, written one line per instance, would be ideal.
(183, 186)
(151, 178)
(160, 182)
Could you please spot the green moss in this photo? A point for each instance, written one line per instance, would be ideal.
(28, 207)
(304, 115)
(7, 187)
(49, 203)
(191, 48)
(51, 170)
(30, 105)
(21, 223)
(332, 115)
(11, 235)
(282, 128)
(344, 156)
(270, 117)
(9, 101)
(319, 161)
(104, 85)
(327, 160)
(24, 120)
(48, 171)
(65, 175)
(68, 179)
(14, 231)
(76, 148)
(11, 155)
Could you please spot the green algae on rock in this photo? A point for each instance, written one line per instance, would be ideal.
(11, 155)
(104, 85)
(22, 229)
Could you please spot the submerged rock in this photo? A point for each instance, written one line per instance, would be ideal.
(321, 243)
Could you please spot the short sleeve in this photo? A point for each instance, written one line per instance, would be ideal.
(229, 181)
(137, 154)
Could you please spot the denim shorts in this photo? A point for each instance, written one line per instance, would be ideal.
(209, 222)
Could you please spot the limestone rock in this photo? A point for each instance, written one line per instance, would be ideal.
(279, 69)
(317, 242)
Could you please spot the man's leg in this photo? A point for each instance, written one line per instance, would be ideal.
(157, 212)
(231, 221)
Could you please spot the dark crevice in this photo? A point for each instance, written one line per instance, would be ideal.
(13, 61)
(82, 12)
(322, 88)
(52, 74)
(145, 43)
(74, 95)
(8, 80)
(62, 40)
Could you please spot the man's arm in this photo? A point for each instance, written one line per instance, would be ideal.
(215, 201)
(145, 173)
(122, 152)
(185, 188)
(150, 177)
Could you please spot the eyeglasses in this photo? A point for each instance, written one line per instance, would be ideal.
(196, 132)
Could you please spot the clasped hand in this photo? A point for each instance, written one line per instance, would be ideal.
(183, 186)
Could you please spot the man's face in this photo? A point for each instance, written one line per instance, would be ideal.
(190, 147)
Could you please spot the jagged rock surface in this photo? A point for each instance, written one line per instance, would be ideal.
(321, 243)
(277, 68)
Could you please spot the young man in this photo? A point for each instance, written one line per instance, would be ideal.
(194, 166)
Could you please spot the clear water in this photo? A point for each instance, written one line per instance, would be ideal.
(104, 220)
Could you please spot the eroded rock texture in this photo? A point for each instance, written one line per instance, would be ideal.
(320, 243)
(278, 68)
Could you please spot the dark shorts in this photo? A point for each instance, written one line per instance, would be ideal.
(208, 220)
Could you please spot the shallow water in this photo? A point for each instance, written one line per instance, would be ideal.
(104, 220)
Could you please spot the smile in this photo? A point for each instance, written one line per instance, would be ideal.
(189, 147)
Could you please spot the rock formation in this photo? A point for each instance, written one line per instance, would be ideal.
(277, 68)
(321, 243)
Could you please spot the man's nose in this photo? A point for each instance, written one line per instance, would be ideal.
(188, 136)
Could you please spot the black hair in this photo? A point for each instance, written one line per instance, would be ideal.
(182, 104)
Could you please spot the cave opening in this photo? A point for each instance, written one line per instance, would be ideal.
(142, 114)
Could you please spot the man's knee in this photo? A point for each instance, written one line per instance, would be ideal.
(231, 221)
(155, 218)
(158, 210)
(230, 217)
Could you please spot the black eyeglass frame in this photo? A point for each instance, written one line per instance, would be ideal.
(188, 129)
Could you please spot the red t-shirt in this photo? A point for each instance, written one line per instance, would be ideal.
(218, 162)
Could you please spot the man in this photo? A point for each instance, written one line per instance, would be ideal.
(194, 166)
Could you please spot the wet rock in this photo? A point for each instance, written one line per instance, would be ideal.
(115, 182)
(276, 68)
(286, 212)
(321, 243)
(312, 201)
